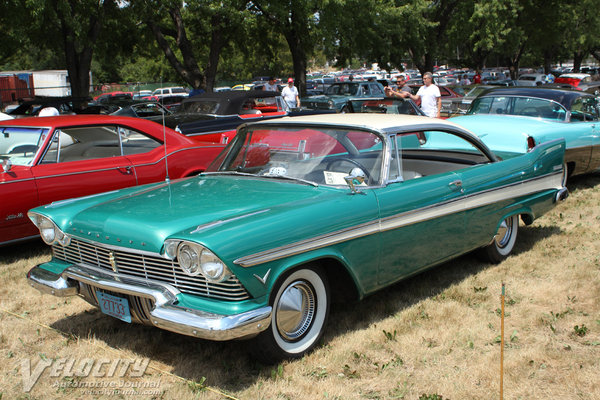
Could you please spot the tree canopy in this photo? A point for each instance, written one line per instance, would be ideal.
(199, 42)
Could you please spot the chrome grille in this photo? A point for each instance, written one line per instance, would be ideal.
(150, 268)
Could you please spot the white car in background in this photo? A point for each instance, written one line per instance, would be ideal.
(531, 80)
(176, 91)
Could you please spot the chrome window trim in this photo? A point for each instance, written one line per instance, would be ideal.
(495, 95)
(463, 203)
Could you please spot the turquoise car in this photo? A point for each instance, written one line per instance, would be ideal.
(338, 95)
(516, 119)
(294, 214)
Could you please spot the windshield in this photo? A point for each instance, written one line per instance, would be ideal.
(20, 145)
(476, 91)
(523, 106)
(316, 154)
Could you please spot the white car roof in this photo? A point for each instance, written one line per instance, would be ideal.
(373, 121)
(574, 75)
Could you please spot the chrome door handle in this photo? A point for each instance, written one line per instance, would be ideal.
(457, 183)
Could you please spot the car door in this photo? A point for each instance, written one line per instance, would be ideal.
(583, 135)
(422, 221)
(82, 161)
(147, 157)
(19, 194)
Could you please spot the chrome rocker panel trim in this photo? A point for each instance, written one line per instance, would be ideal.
(165, 315)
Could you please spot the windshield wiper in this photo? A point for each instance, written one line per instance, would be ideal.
(276, 176)
(291, 178)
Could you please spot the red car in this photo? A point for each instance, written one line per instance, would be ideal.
(574, 79)
(46, 159)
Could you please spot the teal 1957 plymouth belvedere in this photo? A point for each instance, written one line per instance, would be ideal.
(294, 213)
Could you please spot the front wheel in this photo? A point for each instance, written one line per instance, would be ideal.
(300, 309)
(503, 242)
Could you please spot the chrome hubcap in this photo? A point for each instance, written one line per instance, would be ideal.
(295, 310)
(504, 233)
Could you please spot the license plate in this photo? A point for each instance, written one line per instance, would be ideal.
(114, 306)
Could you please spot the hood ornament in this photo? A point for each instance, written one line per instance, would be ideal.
(113, 262)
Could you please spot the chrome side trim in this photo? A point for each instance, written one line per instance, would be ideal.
(463, 203)
(166, 313)
(148, 164)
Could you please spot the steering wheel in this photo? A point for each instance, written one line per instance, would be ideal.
(351, 161)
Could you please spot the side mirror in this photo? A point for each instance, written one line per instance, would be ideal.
(357, 177)
(6, 164)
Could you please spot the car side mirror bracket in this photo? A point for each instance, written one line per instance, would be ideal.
(6, 164)
(357, 177)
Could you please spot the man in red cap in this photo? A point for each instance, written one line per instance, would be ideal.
(290, 94)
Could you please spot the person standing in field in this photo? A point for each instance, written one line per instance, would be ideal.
(429, 95)
(290, 94)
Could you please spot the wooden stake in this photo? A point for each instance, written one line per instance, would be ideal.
(502, 345)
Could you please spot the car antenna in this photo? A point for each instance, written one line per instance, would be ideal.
(164, 135)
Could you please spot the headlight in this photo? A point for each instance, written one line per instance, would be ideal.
(212, 268)
(330, 103)
(49, 232)
(189, 258)
(195, 259)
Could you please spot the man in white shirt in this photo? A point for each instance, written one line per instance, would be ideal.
(290, 94)
(430, 96)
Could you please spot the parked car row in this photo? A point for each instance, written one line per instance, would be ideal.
(294, 211)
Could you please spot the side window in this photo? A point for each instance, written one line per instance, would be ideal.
(584, 109)
(86, 143)
(376, 90)
(61, 142)
(134, 142)
(418, 154)
(481, 106)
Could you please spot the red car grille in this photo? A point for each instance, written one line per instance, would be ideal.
(150, 268)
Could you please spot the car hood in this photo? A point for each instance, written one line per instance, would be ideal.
(209, 209)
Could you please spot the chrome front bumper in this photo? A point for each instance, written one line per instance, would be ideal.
(165, 314)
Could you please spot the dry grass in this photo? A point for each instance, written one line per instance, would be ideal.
(436, 333)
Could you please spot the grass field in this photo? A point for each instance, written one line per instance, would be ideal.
(435, 336)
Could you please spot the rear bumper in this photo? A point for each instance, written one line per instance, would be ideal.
(160, 301)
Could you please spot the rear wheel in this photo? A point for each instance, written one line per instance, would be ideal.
(300, 308)
(503, 242)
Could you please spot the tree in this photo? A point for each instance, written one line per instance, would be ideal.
(69, 29)
(190, 31)
(297, 21)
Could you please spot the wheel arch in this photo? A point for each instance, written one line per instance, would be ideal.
(342, 283)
